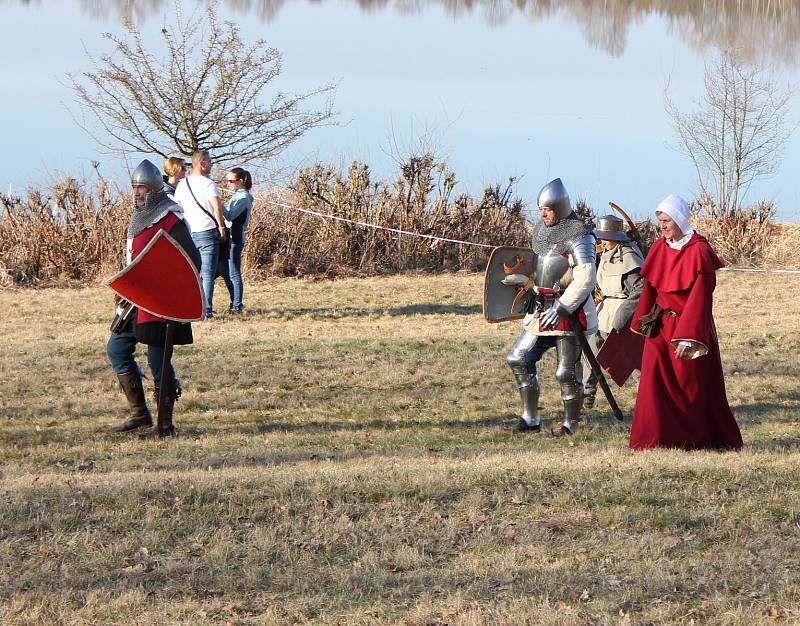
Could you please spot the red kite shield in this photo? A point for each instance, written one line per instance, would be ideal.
(620, 354)
(163, 281)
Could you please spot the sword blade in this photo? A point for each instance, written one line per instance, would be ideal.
(598, 371)
(165, 364)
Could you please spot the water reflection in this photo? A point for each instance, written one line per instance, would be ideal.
(756, 27)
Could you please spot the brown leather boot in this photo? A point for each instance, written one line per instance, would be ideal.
(169, 407)
(131, 383)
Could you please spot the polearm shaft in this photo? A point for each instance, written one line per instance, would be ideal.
(165, 365)
(598, 371)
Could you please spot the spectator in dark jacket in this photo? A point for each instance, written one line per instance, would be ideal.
(237, 215)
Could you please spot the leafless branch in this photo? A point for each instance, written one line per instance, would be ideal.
(205, 88)
(738, 132)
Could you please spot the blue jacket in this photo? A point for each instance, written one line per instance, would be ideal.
(237, 214)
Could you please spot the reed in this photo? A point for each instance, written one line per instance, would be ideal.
(421, 199)
(743, 237)
(73, 232)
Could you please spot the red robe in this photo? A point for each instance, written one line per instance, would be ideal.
(682, 403)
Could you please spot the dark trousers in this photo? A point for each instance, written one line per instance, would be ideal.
(231, 271)
(543, 344)
(121, 349)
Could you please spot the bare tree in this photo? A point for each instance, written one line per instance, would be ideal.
(739, 131)
(207, 91)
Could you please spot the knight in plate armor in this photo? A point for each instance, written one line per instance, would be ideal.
(562, 283)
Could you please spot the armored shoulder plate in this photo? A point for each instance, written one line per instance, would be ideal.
(583, 250)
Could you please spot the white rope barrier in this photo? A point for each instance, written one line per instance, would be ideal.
(437, 240)
(758, 271)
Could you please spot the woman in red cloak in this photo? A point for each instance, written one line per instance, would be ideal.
(681, 401)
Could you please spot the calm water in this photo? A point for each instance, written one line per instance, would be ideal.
(534, 89)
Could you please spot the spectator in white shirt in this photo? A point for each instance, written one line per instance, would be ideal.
(198, 195)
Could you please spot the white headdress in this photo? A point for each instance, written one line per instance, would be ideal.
(677, 208)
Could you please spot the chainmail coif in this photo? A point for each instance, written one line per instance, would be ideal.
(557, 239)
(157, 205)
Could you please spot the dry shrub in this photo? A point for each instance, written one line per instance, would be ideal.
(420, 200)
(745, 238)
(741, 237)
(74, 232)
(70, 234)
(784, 248)
(586, 213)
(648, 233)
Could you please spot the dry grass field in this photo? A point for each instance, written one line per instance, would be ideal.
(345, 457)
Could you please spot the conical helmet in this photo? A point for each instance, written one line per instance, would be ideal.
(554, 195)
(147, 175)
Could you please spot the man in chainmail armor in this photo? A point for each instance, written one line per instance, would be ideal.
(153, 211)
(562, 284)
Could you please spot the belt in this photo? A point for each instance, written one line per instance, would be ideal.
(670, 313)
